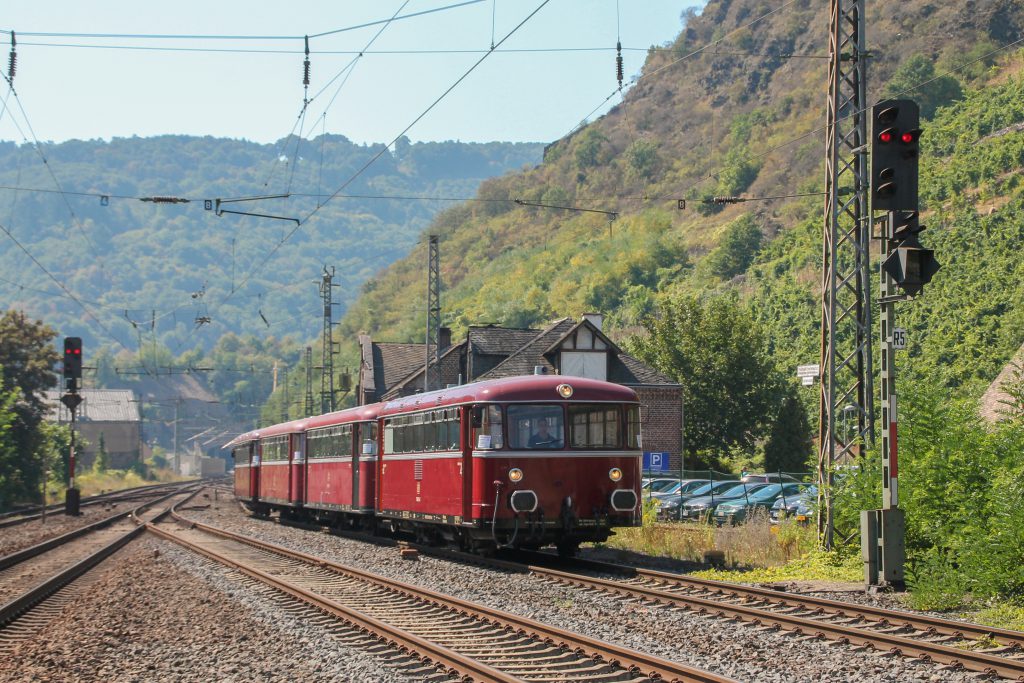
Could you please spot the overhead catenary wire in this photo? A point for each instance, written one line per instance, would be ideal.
(224, 36)
(381, 152)
(63, 288)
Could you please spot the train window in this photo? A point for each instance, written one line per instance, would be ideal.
(488, 433)
(594, 426)
(367, 437)
(633, 439)
(389, 436)
(333, 442)
(536, 426)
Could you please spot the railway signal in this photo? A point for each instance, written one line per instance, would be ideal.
(910, 265)
(72, 363)
(895, 149)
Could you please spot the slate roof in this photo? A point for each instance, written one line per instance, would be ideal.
(635, 371)
(995, 402)
(500, 341)
(416, 375)
(98, 405)
(523, 361)
(393, 362)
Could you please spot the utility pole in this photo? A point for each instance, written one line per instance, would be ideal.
(285, 404)
(327, 339)
(846, 360)
(309, 382)
(177, 458)
(432, 363)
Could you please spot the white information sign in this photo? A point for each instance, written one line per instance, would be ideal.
(899, 338)
(808, 370)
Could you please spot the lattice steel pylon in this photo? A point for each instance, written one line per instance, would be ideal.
(308, 408)
(432, 362)
(846, 333)
(327, 396)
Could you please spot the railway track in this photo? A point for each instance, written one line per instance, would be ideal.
(948, 643)
(458, 636)
(23, 515)
(36, 583)
(954, 644)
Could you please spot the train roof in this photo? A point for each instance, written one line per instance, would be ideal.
(523, 388)
(357, 414)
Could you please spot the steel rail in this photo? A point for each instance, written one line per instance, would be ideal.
(21, 516)
(649, 665)
(923, 622)
(900, 645)
(25, 602)
(408, 642)
(885, 618)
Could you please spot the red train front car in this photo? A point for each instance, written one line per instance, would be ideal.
(519, 462)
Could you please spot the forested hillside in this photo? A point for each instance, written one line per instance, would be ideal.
(178, 274)
(735, 107)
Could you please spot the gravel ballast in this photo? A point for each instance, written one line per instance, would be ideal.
(160, 613)
(721, 646)
(14, 538)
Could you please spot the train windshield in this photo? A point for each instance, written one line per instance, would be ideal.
(595, 426)
(536, 426)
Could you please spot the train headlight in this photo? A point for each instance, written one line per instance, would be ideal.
(515, 475)
(615, 474)
(564, 390)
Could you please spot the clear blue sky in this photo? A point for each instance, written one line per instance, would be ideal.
(98, 92)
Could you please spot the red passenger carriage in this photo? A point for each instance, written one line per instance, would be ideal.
(524, 462)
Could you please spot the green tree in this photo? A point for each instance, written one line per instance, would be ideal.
(716, 350)
(737, 248)
(9, 472)
(590, 148)
(642, 157)
(788, 447)
(102, 461)
(907, 82)
(27, 358)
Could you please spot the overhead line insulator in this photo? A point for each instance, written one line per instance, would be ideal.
(618, 63)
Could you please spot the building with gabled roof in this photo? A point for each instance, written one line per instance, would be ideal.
(564, 347)
(112, 413)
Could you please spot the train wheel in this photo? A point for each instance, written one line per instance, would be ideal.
(567, 548)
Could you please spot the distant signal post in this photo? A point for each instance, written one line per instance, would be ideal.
(71, 399)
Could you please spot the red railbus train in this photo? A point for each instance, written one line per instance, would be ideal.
(518, 462)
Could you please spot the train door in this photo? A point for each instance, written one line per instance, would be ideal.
(254, 470)
(297, 483)
(465, 434)
(358, 474)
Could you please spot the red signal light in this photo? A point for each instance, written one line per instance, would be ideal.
(885, 136)
(907, 137)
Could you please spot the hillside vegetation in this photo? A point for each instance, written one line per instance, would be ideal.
(149, 271)
(728, 120)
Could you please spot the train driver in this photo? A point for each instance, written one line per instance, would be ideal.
(543, 438)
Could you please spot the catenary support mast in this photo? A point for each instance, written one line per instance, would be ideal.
(846, 362)
(432, 363)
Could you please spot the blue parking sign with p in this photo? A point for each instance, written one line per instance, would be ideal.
(655, 461)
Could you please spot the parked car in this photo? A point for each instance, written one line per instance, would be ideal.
(653, 485)
(769, 478)
(669, 505)
(684, 486)
(735, 511)
(704, 507)
(800, 508)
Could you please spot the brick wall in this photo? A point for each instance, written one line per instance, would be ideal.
(661, 420)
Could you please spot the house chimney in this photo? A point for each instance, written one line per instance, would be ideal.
(595, 319)
(444, 339)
